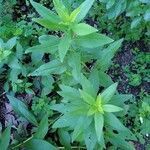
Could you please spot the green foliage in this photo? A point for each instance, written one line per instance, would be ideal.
(5, 139)
(56, 66)
(22, 109)
(89, 111)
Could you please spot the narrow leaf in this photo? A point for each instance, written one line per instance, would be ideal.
(93, 40)
(84, 8)
(42, 129)
(50, 25)
(114, 122)
(99, 124)
(64, 46)
(52, 67)
(109, 93)
(37, 144)
(61, 10)
(5, 139)
(74, 14)
(87, 98)
(45, 13)
(111, 108)
(44, 48)
(22, 109)
(83, 29)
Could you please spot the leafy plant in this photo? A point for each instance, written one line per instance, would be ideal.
(87, 114)
(5, 49)
(71, 96)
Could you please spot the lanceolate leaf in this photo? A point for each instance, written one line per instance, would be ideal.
(4, 139)
(97, 40)
(22, 109)
(45, 48)
(120, 142)
(109, 93)
(99, 124)
(37, 144)
(90, 137)
(87, 86)
(65, 138)
(111, 108)
(114, 122)
(69, 93)
(45, 13)
(50, 25)
(94, 79)
(84, 8)
(64, 45)
(108, 54)
(11, 43)
(74, 62)
(87, 98)
(83, 29)
(53, 67)
(78, 129)
(61, 10)
(74, 14)
(42, 129)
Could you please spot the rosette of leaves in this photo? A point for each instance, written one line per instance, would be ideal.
(74, 33)
(91, 115)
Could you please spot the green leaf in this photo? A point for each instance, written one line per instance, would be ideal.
(147, 15)
(99, 124)
(107, 53)
(11, 43)
(49, 39)
(44, 48)
(114, 122)
(22, 109)
(109, 93)
(105, 79)
(84, 8)
(64, 45)
(42, 129)
(74, 61)
(5, 139)
(119, 141)
(136, 21)
(37, 144)
(74, 14)
(61, 10)
(49, 44)
(64, 138)
(83, 29)
(94, 79)
(110, 4)
(90, 137)
(93, 40)
(65, 121)
(87, 86)
(87, 98)
(52, 67)
(45, 13)
(78, 128)
(50, 25)
(69, 93)
(111, 108)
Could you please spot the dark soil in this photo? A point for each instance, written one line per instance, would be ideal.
(123, 58)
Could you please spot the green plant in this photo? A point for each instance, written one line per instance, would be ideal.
(88, 112)
(6, 49)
